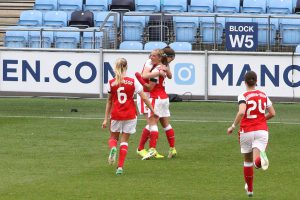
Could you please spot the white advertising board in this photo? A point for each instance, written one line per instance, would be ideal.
(57, 72)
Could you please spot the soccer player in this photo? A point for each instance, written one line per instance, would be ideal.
(157, 73)
(121, 110)
(253, 132)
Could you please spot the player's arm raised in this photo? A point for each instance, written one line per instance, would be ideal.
(107, 110)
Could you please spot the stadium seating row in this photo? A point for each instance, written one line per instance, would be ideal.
(231, 6)
(136, 45)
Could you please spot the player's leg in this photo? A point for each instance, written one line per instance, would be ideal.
(260, 143)
(128, 128)
(164, 121)
(153, 136)
(144, 138)
(112, 143)
(246, 140)
(123, 152)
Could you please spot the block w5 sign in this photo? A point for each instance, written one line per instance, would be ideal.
(241, 36)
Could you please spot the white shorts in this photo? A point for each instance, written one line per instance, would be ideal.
(250, 140)
(123, 126)
(142, 107)
(161, 107)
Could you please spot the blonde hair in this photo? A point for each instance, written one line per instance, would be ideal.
(120, 69)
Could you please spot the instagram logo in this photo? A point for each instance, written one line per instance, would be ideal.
(184, 73)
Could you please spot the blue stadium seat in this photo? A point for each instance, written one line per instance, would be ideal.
(147, 5)
(254, 6)
(238, 19)
(45, 5)
(31, 18)
(297, 50)
(263, 31)
(174, 6)
(185, 28)
(133, 27)
(201, 6)
(69, 5)
(96, 5)
(207, 28)
(131, 45)
(100, 17)
(34, 39)
(55, 18)
(67, 39)
(228, 6)
(88, 42)
(280, 6)
(154, 45)
(16, 39)
(181, 46)
(290, 31)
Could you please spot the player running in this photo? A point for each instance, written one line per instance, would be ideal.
(121, 110)
(253, 132)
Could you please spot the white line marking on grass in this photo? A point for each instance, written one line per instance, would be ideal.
(175, 120)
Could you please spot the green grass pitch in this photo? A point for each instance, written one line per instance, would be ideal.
(49, 152)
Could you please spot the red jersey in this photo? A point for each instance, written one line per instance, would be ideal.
(159, 90)
(256, 103)
(123, 106)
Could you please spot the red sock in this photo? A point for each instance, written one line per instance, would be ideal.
(153, 136)
(257, 163)
(248, 175)
(170, 136)
(112, 142)
(144, 138)
(123, 153)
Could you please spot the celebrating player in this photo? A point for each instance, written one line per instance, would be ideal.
(253, 132)
(120, 107)
(155, 70)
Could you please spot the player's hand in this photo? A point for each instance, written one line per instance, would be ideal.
(230, 130)
(104, 124)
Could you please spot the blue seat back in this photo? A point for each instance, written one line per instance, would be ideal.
(181, 46)
(69, 5)
(290, 31)
(147, 5)
(45, 5)
(174, 6)
(91, 40)
(280, 6)
(34, 39)
(207, 30)
(16, 38)
(185, 28)
(297, 50)
(31, 18)
(254, 6)
(201, 6)
(228, 6)
(133, 27)
(67, 39)
(55, 18)
(263, 31)
(99, 18)
(96, 5)
(154, 45)
(131, 45)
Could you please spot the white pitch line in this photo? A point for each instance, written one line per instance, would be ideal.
(175, 120)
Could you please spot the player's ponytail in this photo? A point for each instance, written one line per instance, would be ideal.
(120, 69)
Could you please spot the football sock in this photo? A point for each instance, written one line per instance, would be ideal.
(257, 163)
(112, 142)
(170, 135)
(248, 175)
(153, 136)
(144, 137)
(123, 153)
